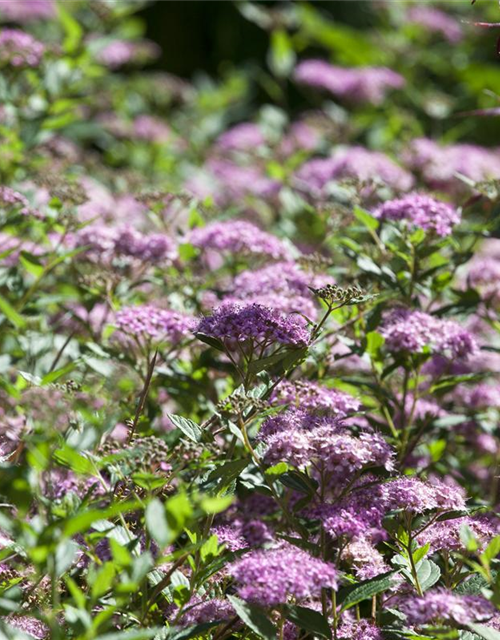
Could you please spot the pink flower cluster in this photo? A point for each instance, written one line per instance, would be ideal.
(236, 323)
(103, 243)
(412, 331)
(238, 237)
(152, 323)
(20, 49)
(273, 576)
(363, 84)
(421, 211)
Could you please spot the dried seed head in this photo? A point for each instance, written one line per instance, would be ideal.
(332, 293)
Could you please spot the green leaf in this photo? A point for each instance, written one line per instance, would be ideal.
(419, 554)
(82, 521)
(350, 596)
(215, 504)
(228, 472)
(103, 580)
(366, 218)
(189, 428)
(254, 618)
(298, 480)
(11, 314)
(309, 620)
(281, 58)
(212, 342)
(209, 549)
(277, 470)
(256, 366)
(31, 263)
(73, 30)
(72, 459)
(491, 551)
(428, 573)
(157, 524)
(58, 373)
(488, 633)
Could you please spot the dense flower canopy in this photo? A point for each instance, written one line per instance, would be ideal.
(250, 347)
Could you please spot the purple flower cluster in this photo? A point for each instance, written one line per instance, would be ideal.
(354, 162)
(13, 200)
(446, 535)
(303, 440)
(246, 136)
(422, 211)
(359, 516)
(237, 323)
(413, 494)
(20, 49)
(198, 612)
(271, 577)
(439, 165)
(121, 52)
(441, 606)
(228, 182)
(311, 396)
(359, 630)
(151, 323)
(283, 286)
(28, 625)
(151, 129)
(412, 331)
(104, 243)
(238, 237)
(363, 84)
(435, 21)
(24, 11)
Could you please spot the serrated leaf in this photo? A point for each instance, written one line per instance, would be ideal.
(229, 471)
(428, 574)
(254, 618)
(189, 428)
(350, 596)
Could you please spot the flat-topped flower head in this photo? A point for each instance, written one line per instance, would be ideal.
(303, 440)
(312, 396)
(418, 496)
(281, 285)
(435, 21)
(357, 84)
(104, 244)
(439, 165)
(239, 237)
(445, 607)
(24, 11)
(272, 577)
(146, 322)
(20, 49)
(13, 201)
(246, 136)
(411, 331)
(421, 211)
(239, 323)
(354, 162)
(447, 535)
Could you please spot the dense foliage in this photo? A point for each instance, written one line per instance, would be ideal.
(249, 368)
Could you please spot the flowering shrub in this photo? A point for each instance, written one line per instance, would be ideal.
(250, 355)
